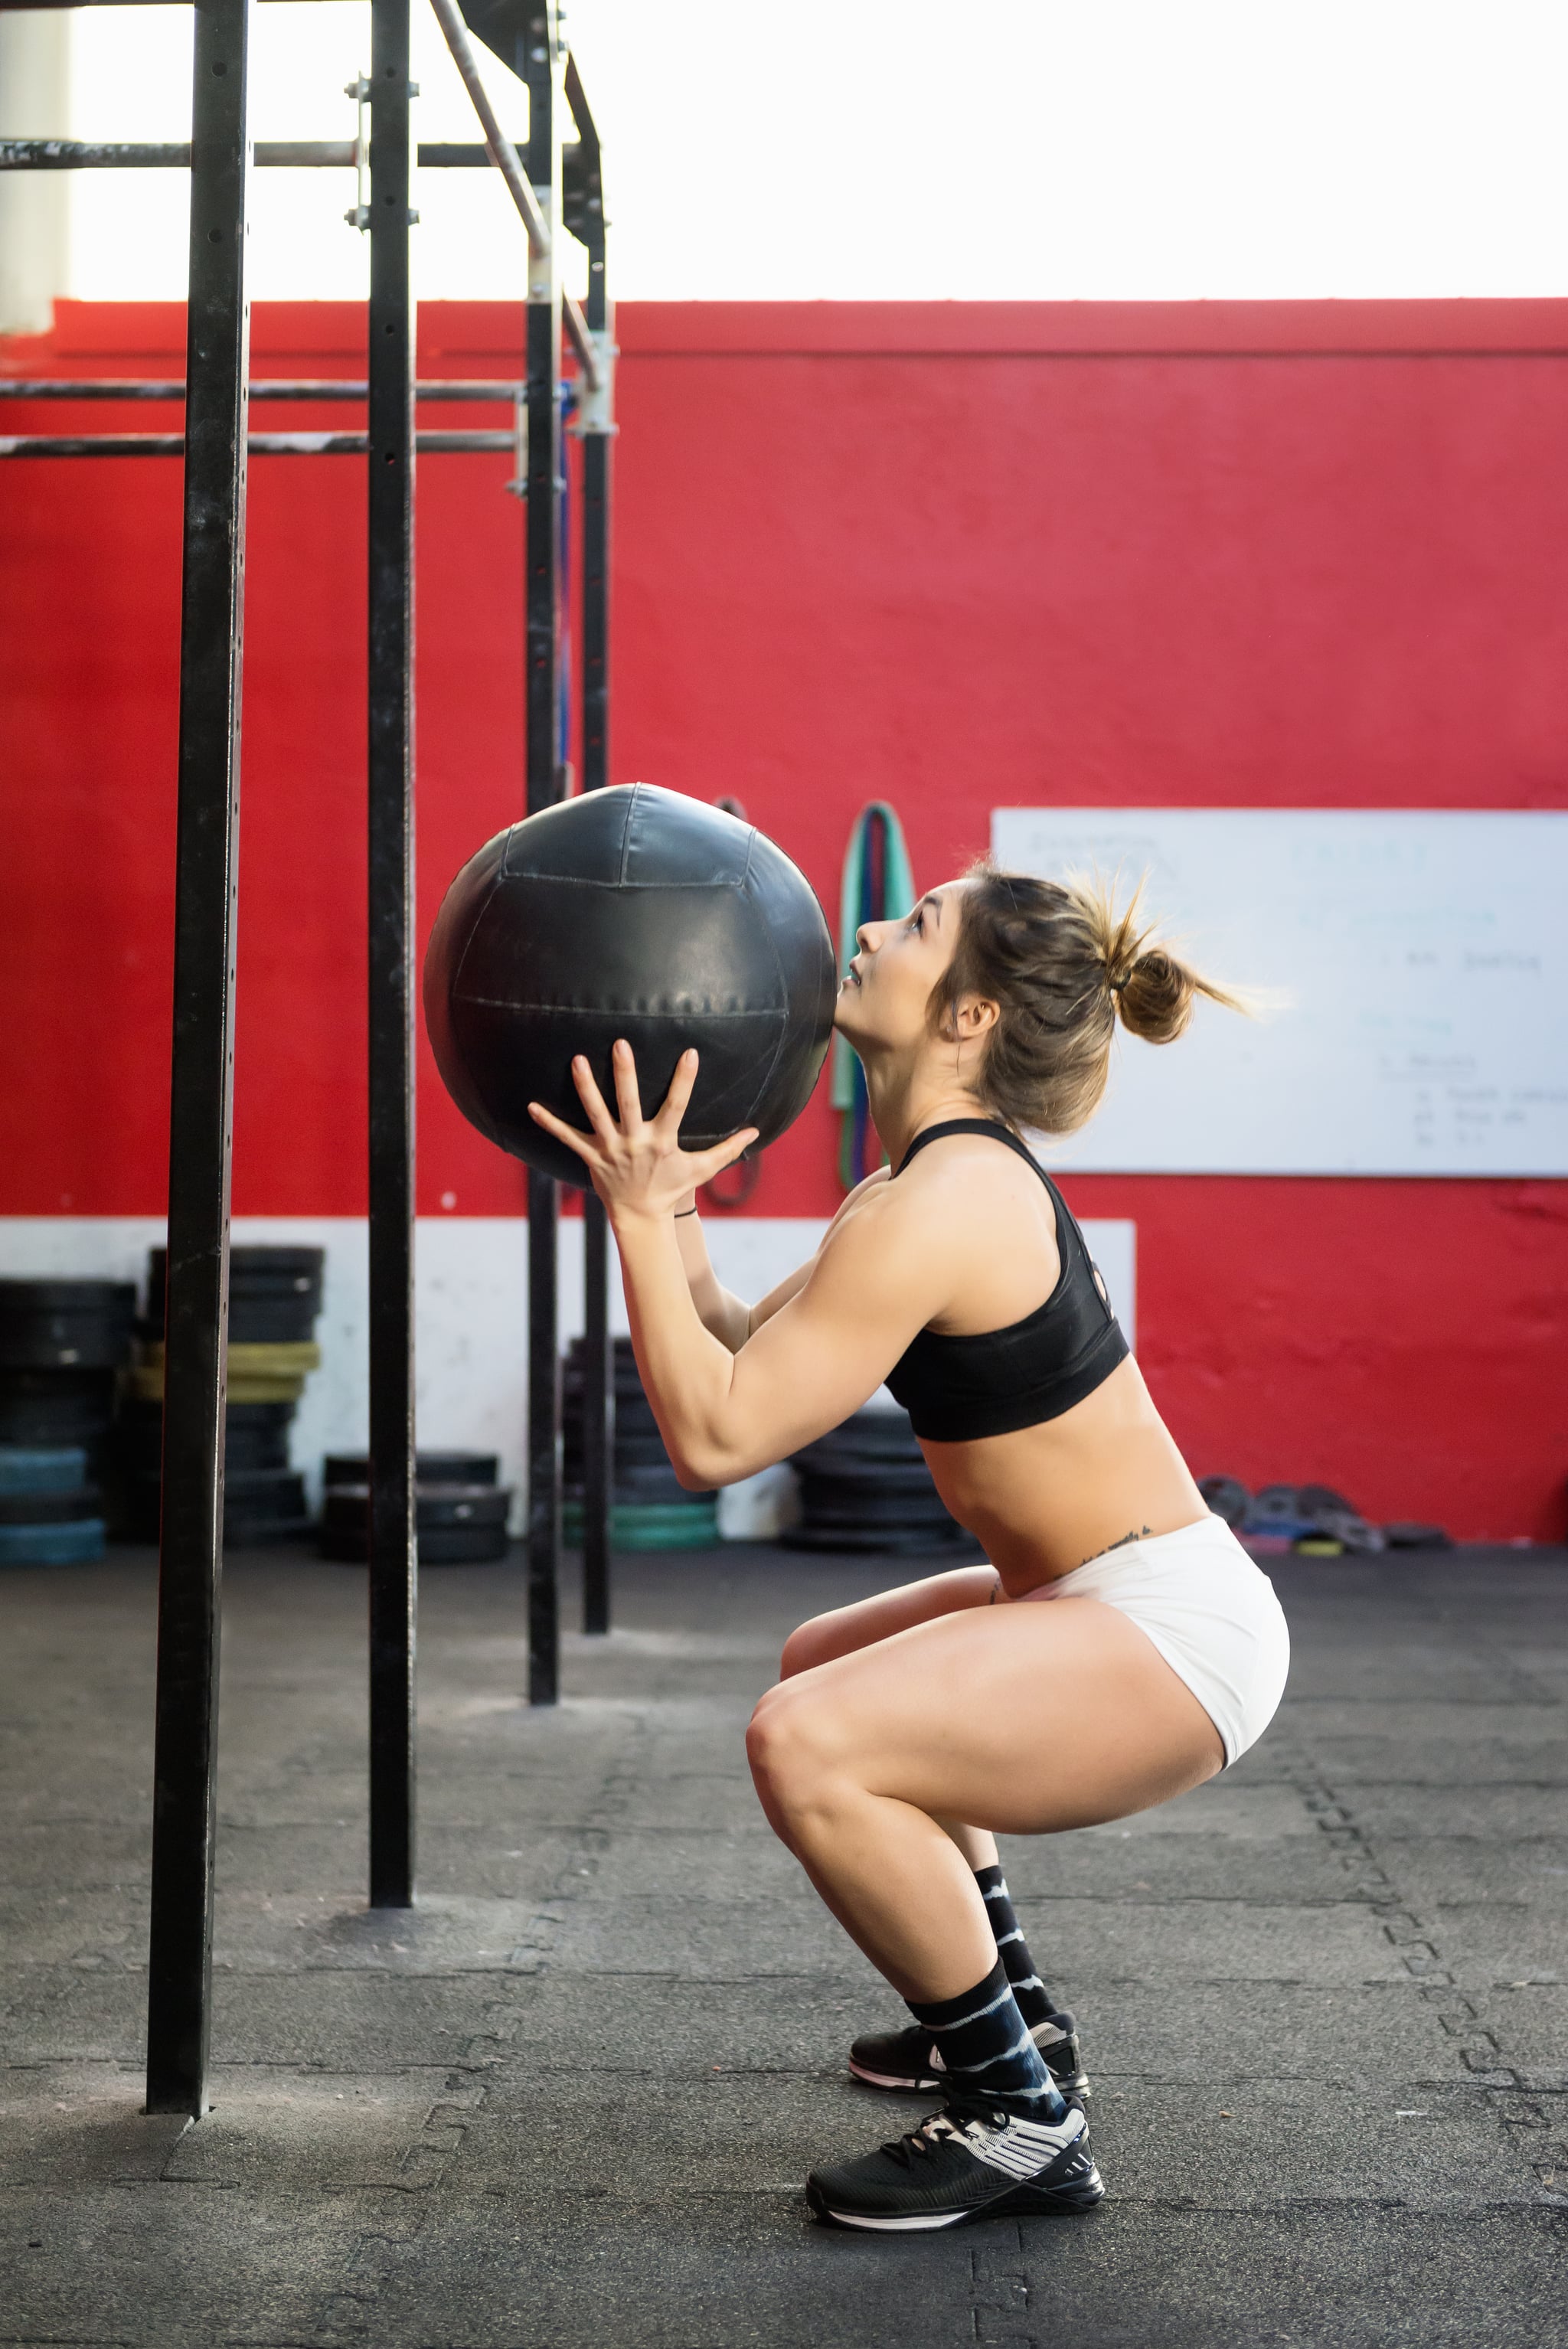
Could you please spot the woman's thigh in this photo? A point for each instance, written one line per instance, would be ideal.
(845, 1629)
(1022, 1720)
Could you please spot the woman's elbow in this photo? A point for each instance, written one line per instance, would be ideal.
(699, 1467)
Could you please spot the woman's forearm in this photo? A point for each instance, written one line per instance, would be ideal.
(724, 1316)
(686, 1365)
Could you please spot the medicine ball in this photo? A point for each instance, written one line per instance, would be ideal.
(630, 912)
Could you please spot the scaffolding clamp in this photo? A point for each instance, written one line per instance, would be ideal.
(595, 415)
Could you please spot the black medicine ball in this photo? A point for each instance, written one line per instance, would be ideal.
(629, 912)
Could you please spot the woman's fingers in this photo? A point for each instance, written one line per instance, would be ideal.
(703, 1164)
(626, 1093)
(680, 1094)
(583, 1143)
(592, 1099)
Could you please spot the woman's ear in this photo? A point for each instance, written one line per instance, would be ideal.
(975, 1016)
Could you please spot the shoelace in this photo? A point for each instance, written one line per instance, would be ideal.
(956, 2120)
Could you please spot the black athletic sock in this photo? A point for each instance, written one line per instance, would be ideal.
(1034, 2001)
(986, 2049)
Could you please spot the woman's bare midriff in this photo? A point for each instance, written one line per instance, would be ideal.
(1047, 1499)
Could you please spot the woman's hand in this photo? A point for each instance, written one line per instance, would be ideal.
(639, 1168)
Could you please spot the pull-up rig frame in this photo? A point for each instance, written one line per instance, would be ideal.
(553, 186)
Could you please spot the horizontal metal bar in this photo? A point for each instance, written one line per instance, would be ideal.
(261, 444)
(15, 7)
(106, 386)
(174, 154)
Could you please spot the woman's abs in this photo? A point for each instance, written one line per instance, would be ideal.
(1042, 1500)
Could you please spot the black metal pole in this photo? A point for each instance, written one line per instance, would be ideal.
(545, 780)
(394, 1549)
(595, 428)
(180, 1958)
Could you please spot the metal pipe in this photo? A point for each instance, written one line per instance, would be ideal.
(184, 1810)
(335, 388)
(595, 435)
(174, 154)
(259, 444)
(546, 783)
(504, 156)
(502, 152)
(393, 1538)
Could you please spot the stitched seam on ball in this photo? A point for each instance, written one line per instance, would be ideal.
(783, 983)
(626, 835)
(623, 1011)
(616, 888)
(483, 1122)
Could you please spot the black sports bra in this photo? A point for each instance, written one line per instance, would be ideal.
(957, 1389)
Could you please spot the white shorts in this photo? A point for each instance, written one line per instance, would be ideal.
(1211, 1612)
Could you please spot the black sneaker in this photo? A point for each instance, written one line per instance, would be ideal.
(971, 2160)
(906, 2059)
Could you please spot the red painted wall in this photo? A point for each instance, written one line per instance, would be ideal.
(953, 555)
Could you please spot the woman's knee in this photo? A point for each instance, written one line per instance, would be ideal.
(791, 1748)
(809, 1644)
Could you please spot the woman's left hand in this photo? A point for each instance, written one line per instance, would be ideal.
(639, 1168)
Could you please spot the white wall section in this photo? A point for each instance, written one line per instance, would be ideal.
(471, 1279)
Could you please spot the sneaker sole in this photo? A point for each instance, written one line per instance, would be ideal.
(1070, 2085)
(1072, 2199)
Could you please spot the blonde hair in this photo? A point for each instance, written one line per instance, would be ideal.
(1062, 963)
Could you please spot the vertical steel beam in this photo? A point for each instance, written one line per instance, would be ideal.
(180, 1963)
(545, 782)
(394, 1580)
(598, 430)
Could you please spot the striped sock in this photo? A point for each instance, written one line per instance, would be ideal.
(1034, 2001)
(986, 2048)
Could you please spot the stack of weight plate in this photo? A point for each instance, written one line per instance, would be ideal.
(649, 1507)
(461, 1510)
(866, 1487)
(63, 1345)
(275, 1297)
(49, 1514)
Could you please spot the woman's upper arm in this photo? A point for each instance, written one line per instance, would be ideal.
(832, 1343)
(794, 1282)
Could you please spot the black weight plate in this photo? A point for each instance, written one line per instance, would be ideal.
(271, 1321)
(259, 1533)
(920, 1546)
(64, 1341)
(898, 1521)
(264, 1492)
(50, 1508)
(353, 1468)
(436, 1505)
(1318, 1500)
(888, 1477)
(462, 1545)
(254, 1271)
(113, 1298)
(258, 1414)
(35, 1410)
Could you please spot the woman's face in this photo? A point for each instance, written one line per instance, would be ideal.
(885, 997)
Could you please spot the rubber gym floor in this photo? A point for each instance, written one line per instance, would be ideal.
(571, 2097)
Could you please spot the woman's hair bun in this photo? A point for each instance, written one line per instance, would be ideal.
(1156, 997)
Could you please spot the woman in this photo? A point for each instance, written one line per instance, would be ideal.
(908, 1730)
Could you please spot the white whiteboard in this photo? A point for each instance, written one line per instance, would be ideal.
(1425, 958)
